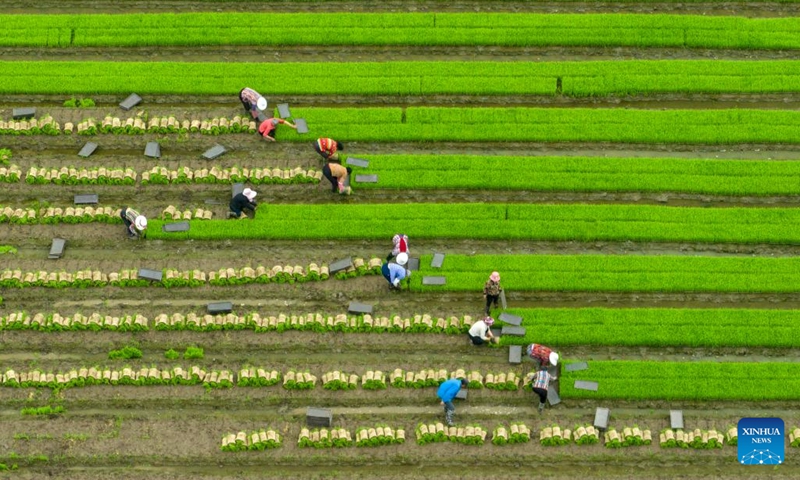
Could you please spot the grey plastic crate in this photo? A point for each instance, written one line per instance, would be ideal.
(319, 417)
(23, 113)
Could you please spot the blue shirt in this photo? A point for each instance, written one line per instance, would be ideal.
(448, 390)
(396, 272)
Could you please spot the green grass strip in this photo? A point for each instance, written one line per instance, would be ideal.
(320, 28)
(583, 174)
(501, 222)
(658, 327)
(613, 273)
(579, 79)
(632, 380)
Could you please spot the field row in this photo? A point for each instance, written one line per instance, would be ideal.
(321, 28)
(584, 174)
(557, 327)
(658, 327)
(578, 79)
(506, 221)
(614, 273)
(522, 124)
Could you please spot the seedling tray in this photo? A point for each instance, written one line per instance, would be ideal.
(434, 280)
(357, 162)
(514, 331)
(359, 308)
(147, 274)
(214, 152)
(57, 248)
(340, 265)
(366, 178)
(510, 319)
(130, 102)
(438, 260)
(515, 354)
(584, 385)
(319, 417)
(152, 150)
(175, 227)
(87, 199)
(87, 149)
(23, 113)
(219, 307)
(283, 110)
(576, 367)
(302, 126)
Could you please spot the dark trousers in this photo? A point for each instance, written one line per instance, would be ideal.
(385, 272)
(127, 222)
(323, 154)
(326, 172)
(542, 394)
(489, 300)
(476, 340)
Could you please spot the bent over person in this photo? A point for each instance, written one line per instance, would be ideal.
(540, 382)
(399, 245)
(542, 354)
(337, 175)
(446, 393)
(268, 128)
(252, 101)
(481, 331)
(327, 148)
(135, 223)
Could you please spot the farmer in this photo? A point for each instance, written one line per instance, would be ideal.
(542, 354)
(491, 291)
(394, 273)
(252, 101)
(327, 148)
(268, 127)
(240, 201)
(135, 223)
(540, 381)
(400, 243)
(337, 175)
(480, 332)
(446, 393)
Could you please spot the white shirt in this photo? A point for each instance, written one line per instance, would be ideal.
(479, 329)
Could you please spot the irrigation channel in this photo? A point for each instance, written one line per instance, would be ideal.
(677, 305)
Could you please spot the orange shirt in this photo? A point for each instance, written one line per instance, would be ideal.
(268, 125)
(327, 145)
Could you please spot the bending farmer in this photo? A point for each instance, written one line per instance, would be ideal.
(240, 201)
(252, 101)
(327, 148)
(480, 332)
(337, 175)
(540, 381)
(491, 291)
(268, 127)
(446, 393)
(394, 273)
(135, 223)
(400, 245)
(545, 356)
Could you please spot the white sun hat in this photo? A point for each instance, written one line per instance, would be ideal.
(402, 259)
(140, 222)
(261, 103)
(250, 194)
(554, 358)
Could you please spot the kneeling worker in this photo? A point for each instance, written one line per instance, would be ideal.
(135, 223)
(240, 201)
(481, 332)
(337, 175)
(394, 273)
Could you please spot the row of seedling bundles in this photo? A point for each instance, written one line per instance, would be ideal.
(417, 324)
(53, 215)
(299, 380)
(80, 279)
(160, 175)
(630, 437)
(34, 126)
(81, 176)
(173, 213)
(423, 378)
(361, 267)
(276, 274)
(258, 377)
(260, 440)
(324, 438)
(106, 376)
(553, 436)
(586, 435)
(56, 323)
(205, 322)
(699, 439)
(337, 380)
(469, 435)
(10, 174)
(168, 124)
(502, 381)
(379, 435)
(515, 433)
(373, 380)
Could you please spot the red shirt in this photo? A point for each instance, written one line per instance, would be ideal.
(268, 125)
(327, 146)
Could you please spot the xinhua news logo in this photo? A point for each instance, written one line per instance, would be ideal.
(761, 441)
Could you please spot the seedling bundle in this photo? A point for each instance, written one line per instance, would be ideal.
(629, 437)
(257, 176)
(325, 438)
(553, 436)
(80, 176)
(470, 435)
(258, 377)
(337, 380)
(794, 437)
(379, 435)
(373, 380)
(10, 174)
(260, 440)
(586, 435)
(698, 439)
(517, 433)
(299, 380)
(502, 381)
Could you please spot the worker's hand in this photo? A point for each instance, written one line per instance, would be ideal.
(441, 403)
(293, 126)
(396, 283)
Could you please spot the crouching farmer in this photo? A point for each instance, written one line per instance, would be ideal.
(446, 393)
(394, 273)
(480, 332)
(135, 223)
(242, 201)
